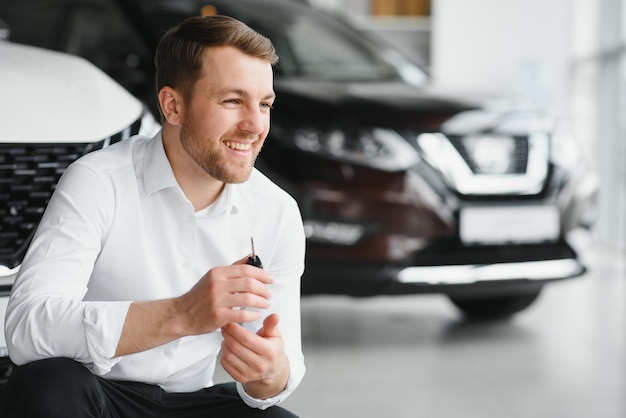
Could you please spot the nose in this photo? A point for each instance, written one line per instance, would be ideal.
(254, 120)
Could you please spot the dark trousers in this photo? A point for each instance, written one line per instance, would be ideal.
(63, 388)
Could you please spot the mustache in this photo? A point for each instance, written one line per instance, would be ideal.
(241, 136)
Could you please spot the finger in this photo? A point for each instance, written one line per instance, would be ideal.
(241, 341)
(270, 327)
(243, 260)
(237, 333)
(241, 316)
(247, 345)
(234, 366)
(237, 357)
(248, 285)
(236, 271)
(247, 300)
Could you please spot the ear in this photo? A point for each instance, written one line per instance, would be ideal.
(171, 105)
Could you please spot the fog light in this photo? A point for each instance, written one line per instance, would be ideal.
(333, 232)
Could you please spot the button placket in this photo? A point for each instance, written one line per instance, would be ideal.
(188, 243)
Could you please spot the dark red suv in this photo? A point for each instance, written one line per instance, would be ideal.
(402, 190)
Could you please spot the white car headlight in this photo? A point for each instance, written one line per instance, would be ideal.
(379, 148)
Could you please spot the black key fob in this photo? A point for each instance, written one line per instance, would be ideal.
(254, 259)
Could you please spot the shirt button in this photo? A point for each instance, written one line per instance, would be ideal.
(190, 218)
(186, 264)
(167, 352)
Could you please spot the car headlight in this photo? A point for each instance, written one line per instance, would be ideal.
(379, 148)
(334, 232)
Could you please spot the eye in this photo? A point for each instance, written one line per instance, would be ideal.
(231, 101)
(268, 106)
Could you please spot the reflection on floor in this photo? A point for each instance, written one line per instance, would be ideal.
(414, 356)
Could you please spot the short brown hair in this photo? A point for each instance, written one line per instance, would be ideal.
(179, 54)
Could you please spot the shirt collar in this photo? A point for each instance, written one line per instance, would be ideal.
(225, 203)
(158, 172)
(158, 175)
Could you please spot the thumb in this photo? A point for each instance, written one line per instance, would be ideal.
(242, 261)
(270, 327)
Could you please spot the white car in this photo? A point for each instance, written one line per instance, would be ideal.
(55, 107)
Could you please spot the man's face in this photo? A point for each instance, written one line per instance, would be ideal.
(228, 116)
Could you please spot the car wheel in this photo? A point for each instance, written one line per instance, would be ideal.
(498, 307)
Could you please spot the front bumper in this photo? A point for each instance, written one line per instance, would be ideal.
(448, 269)
(544, 270)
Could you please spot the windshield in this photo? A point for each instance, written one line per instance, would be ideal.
(310, 44)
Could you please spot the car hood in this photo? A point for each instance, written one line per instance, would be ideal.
(393, 104)
(57, 97)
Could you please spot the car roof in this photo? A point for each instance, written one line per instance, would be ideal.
(50, 96)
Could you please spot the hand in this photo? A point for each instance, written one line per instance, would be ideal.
(209, 304)
(206, 307)
(256, 360)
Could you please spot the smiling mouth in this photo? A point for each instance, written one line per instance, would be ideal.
(238, 146)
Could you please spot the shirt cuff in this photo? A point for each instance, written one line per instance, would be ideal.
(262, 403)
(295, 377)
(103, 322)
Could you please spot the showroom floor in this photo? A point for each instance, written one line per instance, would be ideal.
(414, 356)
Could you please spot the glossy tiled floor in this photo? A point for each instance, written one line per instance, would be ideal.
(413, 356)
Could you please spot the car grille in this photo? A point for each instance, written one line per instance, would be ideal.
(519, 155)
(490, 164)
(28, 176)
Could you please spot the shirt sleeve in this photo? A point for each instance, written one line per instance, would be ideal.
(287, 267)
(295, 377)
(46, 315)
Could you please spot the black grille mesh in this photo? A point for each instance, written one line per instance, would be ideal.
(28, 175)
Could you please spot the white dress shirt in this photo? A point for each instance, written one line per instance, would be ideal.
(119, 229)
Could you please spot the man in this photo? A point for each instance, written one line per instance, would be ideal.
(137, 279)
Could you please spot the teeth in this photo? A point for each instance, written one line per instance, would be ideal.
(238, 146)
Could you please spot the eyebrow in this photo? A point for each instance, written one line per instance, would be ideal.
(241, 92)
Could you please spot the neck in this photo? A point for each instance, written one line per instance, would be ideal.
(201, 195)
(199, 187)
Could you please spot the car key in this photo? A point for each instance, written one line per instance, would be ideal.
(254, 259)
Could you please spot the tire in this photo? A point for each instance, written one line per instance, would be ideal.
(494, 307)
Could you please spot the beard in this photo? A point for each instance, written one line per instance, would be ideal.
(206, 152)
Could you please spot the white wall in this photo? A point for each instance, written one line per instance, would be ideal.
(502, 47)
(599, 69)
